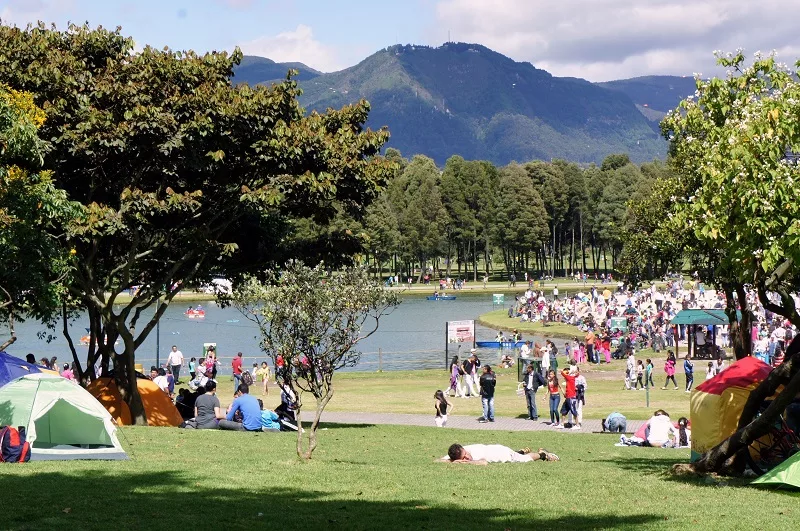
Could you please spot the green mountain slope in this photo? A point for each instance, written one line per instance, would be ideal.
(260, 70)
(464, 99)
(661, 93)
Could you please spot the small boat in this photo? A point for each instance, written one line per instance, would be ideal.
(499, 344)
(195, 313)
(441, 297)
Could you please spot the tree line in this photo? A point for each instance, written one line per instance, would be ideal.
(547, 218)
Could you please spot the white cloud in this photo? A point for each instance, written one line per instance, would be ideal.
(298, 45)
(610, 39)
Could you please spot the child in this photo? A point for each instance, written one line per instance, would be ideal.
(263, 372)
(710, 370)
(192, 365)
(684, 437)
(443, 406)
(639, 375)
(669, 368)
(67, 372)
(649, 374)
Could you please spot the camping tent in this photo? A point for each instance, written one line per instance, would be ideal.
(158, 408)
(62, 420)
(11, 367)
(787, 473)
(716, 404)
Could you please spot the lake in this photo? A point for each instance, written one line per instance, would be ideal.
(411, 337)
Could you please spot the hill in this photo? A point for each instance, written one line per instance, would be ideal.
(661, 93)
(465, 99)
(262, 71)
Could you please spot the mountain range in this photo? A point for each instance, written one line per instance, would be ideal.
(465, 99)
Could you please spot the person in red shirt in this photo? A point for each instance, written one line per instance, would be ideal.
(570, 394)
(236, 365)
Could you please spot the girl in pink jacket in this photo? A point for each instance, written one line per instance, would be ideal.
(669, 368)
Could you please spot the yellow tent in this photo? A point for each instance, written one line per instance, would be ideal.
(158, 408)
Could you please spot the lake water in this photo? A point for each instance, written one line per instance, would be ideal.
(412, 337)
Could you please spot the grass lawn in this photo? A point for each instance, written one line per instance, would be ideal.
(378, 477)
(499, 320)
(412, 392)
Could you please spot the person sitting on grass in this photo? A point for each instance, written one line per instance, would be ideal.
(660, 432)
(483, 454)
(270, 422)
(251, 412)
(207, 409)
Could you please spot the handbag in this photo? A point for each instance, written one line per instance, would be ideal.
(521, 389)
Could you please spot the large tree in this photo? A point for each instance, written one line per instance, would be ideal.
(179, 173)
(32, 212)
(314, 322)
(734, 148)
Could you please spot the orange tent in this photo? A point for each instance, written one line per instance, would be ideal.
(158, 408)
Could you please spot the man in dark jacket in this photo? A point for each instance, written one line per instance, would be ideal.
(532, 382)
(487, 382)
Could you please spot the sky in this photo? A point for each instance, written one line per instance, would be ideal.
(598, 40)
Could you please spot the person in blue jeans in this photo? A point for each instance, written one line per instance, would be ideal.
(688, 371)
(487, 384)
(554, 391)
(615, 423)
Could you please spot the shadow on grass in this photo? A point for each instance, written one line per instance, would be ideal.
(126, 500)
(661, 466)
(336, 425)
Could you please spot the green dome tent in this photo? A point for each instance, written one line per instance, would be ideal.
(787, 473)
(63, 421)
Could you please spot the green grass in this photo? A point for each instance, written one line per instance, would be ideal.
(379, 477)
(499, 320)
(412, 392)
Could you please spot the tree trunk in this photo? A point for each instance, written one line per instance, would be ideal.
(312, 430)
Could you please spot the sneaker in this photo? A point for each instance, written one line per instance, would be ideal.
(491, 420)
(623, 439)
(544, 455)
(663, 388)
(559, 426)
(575, 427)
(676, 387)
(688, 391)
(535, 419)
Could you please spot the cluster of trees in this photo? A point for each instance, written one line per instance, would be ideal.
(552, 218)
(151, 169)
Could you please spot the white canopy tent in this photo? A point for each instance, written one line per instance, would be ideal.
(63, 421)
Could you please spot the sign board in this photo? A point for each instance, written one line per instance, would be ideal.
(461, 332)
(620, 323)
(498, 298)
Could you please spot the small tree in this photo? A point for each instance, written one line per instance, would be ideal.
(313, 322)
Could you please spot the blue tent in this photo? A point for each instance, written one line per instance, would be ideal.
(12, 368)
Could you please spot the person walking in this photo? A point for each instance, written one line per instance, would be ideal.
(175, 361)
(236, 366)
(669, 368)
(580, 396)
(648, 373)
(555, 397)
(688, 371)
(455, 371)
(487, 384)
(443, 407)
(533, 380)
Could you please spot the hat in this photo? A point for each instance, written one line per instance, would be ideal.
(473, 351)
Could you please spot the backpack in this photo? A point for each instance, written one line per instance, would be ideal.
(13, 446)
(247, 378)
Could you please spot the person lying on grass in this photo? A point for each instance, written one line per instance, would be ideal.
(483, 454)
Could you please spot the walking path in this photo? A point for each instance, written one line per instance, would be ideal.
(456, 421)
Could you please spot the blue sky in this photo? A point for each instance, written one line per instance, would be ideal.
(594, 39)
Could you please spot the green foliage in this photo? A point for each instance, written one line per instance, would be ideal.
(313, 323)
(521, 219)
(730, 147)
(180, 174)
(35, 265)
